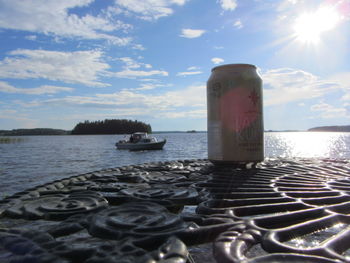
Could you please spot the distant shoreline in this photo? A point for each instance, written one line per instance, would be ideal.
(344, 128)
(34, 131)
(49, 131)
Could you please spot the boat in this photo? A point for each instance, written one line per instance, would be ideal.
(140, 141)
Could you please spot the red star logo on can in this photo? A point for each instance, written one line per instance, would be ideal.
(254, 97)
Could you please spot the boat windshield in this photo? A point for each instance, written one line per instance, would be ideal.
(136, 137)
(141, 137)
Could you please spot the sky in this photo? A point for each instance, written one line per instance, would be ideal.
(64, 62)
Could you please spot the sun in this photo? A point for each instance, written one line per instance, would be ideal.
(309, 27)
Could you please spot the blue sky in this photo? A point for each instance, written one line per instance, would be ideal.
(63, 62)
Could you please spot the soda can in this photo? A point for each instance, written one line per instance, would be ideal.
(235, 115)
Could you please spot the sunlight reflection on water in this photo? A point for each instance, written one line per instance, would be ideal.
(39, 159)
(307, 144)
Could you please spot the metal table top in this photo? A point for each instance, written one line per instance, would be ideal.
(282, 210)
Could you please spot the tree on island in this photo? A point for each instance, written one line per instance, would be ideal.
(111, 127)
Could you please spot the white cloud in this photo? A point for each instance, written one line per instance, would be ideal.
(45, 89)
(194, 114)
(189, 73)
(138, 47)
(53, 17)
(193, 68)
(228, 4)
(328, 111)
(130, 63)
(81, 67)
(20, 118)
(150, 86)
(7, 112)
(192, 98)
(192, 33)
(129, 72)
(7, 88)
(178, 2)
(238, 24)
(287, 4)
(128, 113)
(293, 1)
(321, 107)
(346, 97)
(50, 89)
(148, 9)
(31, 37)
(343, 79)
(286, 85)
(217, 60)
(147, 80)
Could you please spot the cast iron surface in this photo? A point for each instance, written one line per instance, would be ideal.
(184, 211)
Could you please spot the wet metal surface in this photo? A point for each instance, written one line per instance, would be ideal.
(184, 211)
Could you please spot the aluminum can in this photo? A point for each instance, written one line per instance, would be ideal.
(235, 115)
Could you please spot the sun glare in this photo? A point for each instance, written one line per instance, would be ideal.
(309, 27)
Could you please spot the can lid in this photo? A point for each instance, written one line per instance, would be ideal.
(234, 66)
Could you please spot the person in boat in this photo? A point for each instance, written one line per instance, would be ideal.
(134, 138)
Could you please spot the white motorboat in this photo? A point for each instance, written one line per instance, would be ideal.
(140, 141)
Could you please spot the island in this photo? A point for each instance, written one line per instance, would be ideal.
(112, 126)
(343, 128)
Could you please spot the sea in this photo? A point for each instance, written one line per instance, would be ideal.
(34, 160)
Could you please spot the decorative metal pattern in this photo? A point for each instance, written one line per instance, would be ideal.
(142, 220)
(184, 211)
(57, 206)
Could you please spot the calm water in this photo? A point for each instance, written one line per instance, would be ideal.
(39, 159)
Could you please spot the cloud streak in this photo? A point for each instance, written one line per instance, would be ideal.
(45, 89)
(129, 71)
(189, 73)
(191, 33)
(53, 17)
(228, 5)
(287, 85)
(327, 111)
(80, 67)
(172, 103)
(148, 9)
(217, 60)
(132, 74)
(238, 24)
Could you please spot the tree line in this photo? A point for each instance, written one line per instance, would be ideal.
(35, 131)
(113, 126)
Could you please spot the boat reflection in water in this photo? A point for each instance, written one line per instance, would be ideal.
(140, 141)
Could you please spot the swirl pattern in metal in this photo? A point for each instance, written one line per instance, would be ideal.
(184, 211)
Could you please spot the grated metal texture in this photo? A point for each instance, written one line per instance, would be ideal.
(184, 211)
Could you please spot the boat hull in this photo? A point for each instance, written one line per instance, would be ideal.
(140, 146)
